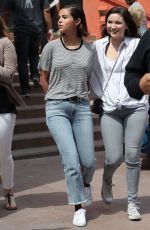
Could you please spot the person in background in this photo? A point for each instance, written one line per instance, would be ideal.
(121, 135)
(54, 9)
(65, 67)
(137, 80)
(28, 28)
(8, 99)
(62, 3)
(138, 13)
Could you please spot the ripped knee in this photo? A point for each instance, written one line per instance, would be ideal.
(133, 164)
(114, 164)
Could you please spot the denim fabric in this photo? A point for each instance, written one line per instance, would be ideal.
(27, 48)
(71, 126)
(122, 132)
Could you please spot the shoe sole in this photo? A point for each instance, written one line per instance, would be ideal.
(10, 208)
(134, 218)
(80, 225)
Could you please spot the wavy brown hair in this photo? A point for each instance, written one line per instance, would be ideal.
(4, 31)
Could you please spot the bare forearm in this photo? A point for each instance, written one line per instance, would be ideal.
(44, 75)
(48, 19)
(44, 85)
(58, 7)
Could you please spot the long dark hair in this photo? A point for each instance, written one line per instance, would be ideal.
(4, 32)
(132, 28)
(76, 12)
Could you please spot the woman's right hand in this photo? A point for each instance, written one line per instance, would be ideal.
(44, 75)
(145, 83)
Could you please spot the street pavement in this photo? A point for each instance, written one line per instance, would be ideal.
(40, 193)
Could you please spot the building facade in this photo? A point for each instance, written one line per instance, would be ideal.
(95, 11)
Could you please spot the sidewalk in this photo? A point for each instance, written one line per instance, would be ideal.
(41, 197)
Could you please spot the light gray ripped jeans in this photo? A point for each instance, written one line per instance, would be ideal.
(122, 131)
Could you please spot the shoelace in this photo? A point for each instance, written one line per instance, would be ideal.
(79, 213)
(135, 208)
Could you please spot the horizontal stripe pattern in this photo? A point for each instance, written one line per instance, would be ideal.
(69, 69)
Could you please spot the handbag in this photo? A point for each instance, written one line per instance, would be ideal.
(12, 94)
(97, 106)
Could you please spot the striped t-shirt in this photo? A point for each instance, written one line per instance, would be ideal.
(69, 69)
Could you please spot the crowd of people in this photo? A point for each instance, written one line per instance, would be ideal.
(68, 69)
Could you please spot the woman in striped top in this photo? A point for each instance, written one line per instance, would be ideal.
(65, 67)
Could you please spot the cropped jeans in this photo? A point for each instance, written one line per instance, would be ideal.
(71, 126)
(122, 132)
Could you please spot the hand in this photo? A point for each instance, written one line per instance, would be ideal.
(145, 83)
(50, 34)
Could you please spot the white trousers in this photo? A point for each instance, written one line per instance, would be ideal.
(7, 123)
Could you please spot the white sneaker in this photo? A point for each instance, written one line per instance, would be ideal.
(79, 218)
(88, 196)
(133, 213)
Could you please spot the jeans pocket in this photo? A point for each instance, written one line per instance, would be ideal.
(52, 104)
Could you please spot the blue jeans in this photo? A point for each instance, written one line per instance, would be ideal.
(71, 126)
(122, 132)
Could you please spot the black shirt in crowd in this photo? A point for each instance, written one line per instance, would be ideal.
(28, 15)
(138, 65)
